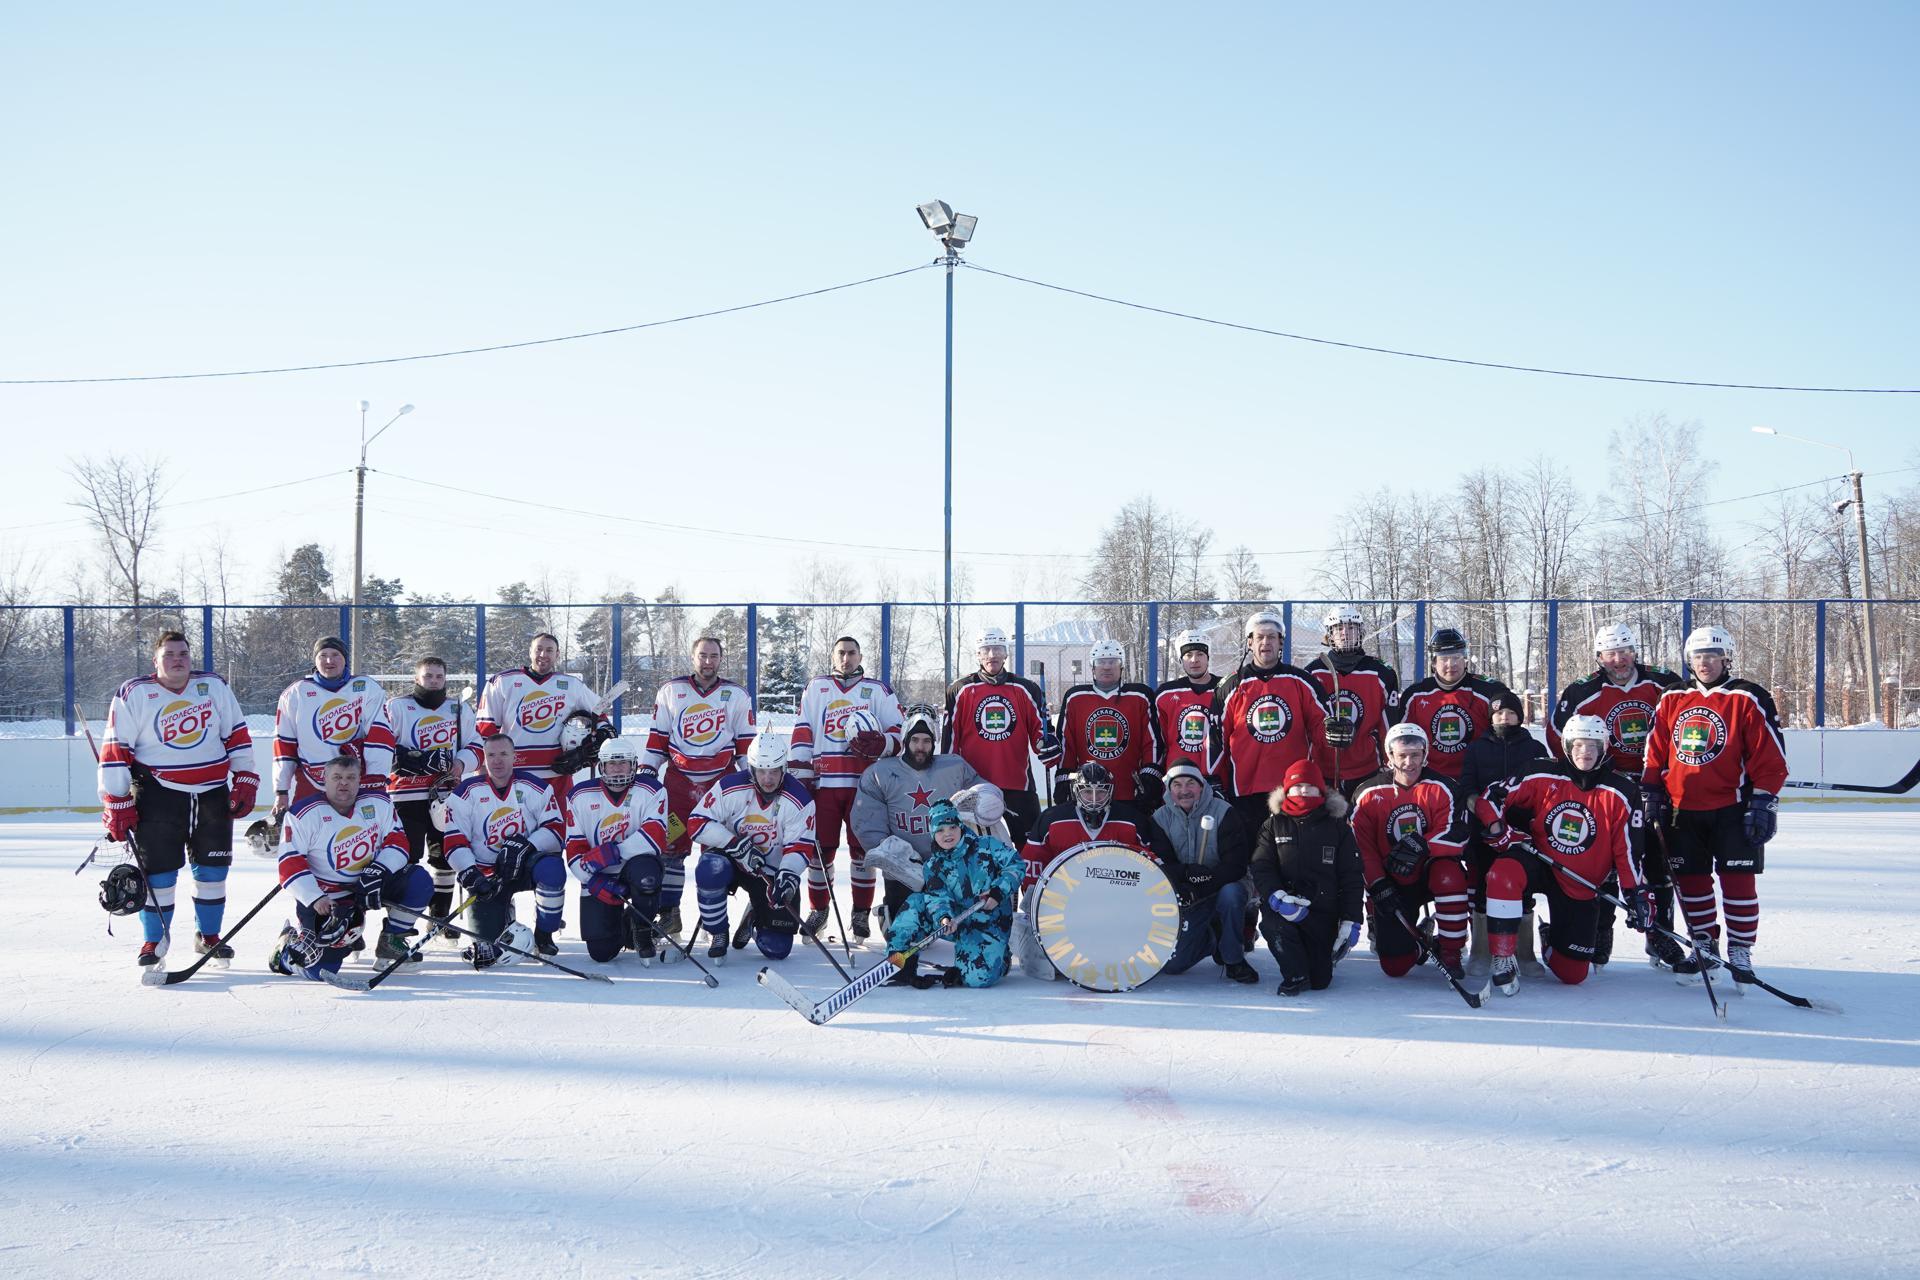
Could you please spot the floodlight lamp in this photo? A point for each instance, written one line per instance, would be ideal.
(405, 409)
(938, 215)
(963, 225)
(1765, 431)
(365, 405)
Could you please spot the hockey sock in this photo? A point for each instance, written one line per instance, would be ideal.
(549, 893)
(209, 898)
(1740, 899)
(712, 877)
(1452, 907)
(1506, 886)
(820, 879)
(860, 878)
(155, 924)
(1697, 901)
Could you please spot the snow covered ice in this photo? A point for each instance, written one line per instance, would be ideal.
(522, 1122)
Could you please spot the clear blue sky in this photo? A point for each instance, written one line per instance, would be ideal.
(1718, 191)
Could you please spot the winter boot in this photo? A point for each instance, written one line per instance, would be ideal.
(1506, 975)
(641, 936)
(1293, 986)
(209, 944)
(816, 920)
(862, 924)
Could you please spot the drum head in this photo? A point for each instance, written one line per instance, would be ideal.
(1106, 916)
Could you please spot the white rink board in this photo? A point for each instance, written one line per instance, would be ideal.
(523, 1123)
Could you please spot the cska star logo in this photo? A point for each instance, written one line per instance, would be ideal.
(1106, 734)
(1268, 718)
(183, 724)
(337, 721)
(1699, 736)
(1406, 820)
(1630, 722)
(995, 718)
(1451, 729)
(1193, 728)
(541, 710)
(1569, 827)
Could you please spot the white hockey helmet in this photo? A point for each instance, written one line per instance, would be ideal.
(992, 638)
(1617, 635)
(768, 750)
(1710, 640)
(1192, 638)
(623, 749)
(1341, 613)
(1586, 728)
(921, 718)
(859, 721)
(1106, 651)
(1406, 731)
(1263, 618)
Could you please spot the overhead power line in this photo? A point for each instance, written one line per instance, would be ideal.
(1422, 355)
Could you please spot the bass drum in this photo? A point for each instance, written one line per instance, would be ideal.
(1106, 916)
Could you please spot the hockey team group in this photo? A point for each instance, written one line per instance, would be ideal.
(1299, 806)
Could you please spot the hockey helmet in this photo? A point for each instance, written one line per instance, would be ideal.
(1447, 640)
(992, 638)
(618, 750)
(768, 750)
(1093, 787)
(263, 838)
(981, 804)
(1710, 640)
(859, 720)
(576, 729)
(921, 718)
(1192, 639)
(439, 813)
(1106, 651)
(1406, 731)
(1618, 635)
(1339, 616)
(1586, 729)
(124, 891)
(1263, 618)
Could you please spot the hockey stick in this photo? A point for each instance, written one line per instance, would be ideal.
(611, 696)
(812, 937)
(449, 927)
(413, 952)
(686, 949)
(824, 1011)
(157, 977)
(826, 869)
(1901, 787)
(1473, 998)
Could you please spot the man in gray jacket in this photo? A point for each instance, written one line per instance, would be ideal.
(891, 804)
(1208, 873)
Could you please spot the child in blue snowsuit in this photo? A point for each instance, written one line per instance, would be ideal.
(962, 868)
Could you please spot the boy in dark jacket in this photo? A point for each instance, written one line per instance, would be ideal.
(1504, 751)
(1308, 877)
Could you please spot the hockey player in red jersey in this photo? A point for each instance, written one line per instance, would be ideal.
(1091, 815)
(1715, 766)
(848, 720)
(321, 714)
(994, 719)
(1451, 706)
(1264, 716)
(1181, 706)
(1363, 698)
(1577, 815)
(1412, 837)
(1111, 721)
(701, 727)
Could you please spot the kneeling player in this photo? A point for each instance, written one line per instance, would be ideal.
(1307, 873)
(617, 826)
(343, 854)
(1579, 818)
(506, 839)
(964, 868)
(755, 832)
(1412, 843)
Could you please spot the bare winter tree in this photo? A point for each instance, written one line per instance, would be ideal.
(1658, 479)
(121, 497)
(1147, 553)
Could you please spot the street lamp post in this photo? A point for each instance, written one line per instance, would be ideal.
(359, 520)
(1859, 504)
(955, 232)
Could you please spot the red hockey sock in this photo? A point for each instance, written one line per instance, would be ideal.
(1740, 899)
(1697, 900)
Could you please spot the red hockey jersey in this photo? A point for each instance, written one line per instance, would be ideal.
(1452, 717)
(1710, 743)
(1627, 709)
(1587, 830)
(1263, 721)
(1180, 711)
(1384, 811)
(993, 724)
(1116, 729)
(1369, 696)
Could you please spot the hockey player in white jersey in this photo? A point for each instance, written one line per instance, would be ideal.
(343, 854)
(847, 721)
(506, 837)
(894, 797)
(701, 727)
(321, 714)
(616, 828)
(431, 734)
(531, 705)
(754, 829)
(177, 767)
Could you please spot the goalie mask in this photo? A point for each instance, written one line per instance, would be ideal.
(1093, 789)
(263, 839)
(124, 891)
(581, 734)
(921, 719)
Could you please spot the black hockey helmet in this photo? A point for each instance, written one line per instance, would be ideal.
(1447, 640)
(1093, 787)
(124, 891)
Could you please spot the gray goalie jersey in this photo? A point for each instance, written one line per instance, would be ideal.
(893, 798)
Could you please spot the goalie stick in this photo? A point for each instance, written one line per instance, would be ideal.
(825, 1011)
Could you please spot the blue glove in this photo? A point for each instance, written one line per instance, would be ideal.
(1289, 908)
(607, 887)
(1762, 818)
(1345, 940)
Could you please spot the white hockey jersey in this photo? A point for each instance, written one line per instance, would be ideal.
(324, 853)
(313, 724)
(482, 816)
(700, 733)
(820, 738)
(416, 728)
(188, 741)
(783, 826)
(530, 709)
(636, 822)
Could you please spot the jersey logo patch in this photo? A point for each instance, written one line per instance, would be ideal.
(1193, 728)
(1106, 734)
(994, 716)
(611, 829)
(1699, 736)
(834, 720)
(1406, 820)
(1569, 827)
(700, 724)
(541, 710)
(352, 847)
(1451, 729)
(1347, 708)
(1630, 722)
(337, 721)
(1269, 717)
(183, 725)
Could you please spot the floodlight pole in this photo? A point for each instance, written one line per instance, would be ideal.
(359, 522)
(946, 598)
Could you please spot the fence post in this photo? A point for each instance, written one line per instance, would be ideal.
(1686, 629)
(1153, 644)
(619, 655)
(66, 662)
(886, 644)
(1553, 656)
(1820, 664)
(480, 647)
(1019, 644)
(1419, 642)
(1286, 631)
(753, 653)
(206, 636)
(346, 629)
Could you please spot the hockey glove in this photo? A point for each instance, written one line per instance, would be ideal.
(372, 889)
(1386, 898)
(1063, 788)
(868, 744)
(1762, 818)
(748, 854)
(1404, 859)
(608, 887)
(410, 763)
(440, 760)
(786, 890)
(241, 790)
(514, 859)
(1345, 940)
(1339, 731)
(1656, 807)
(476, 881)
(1288, 907)
(120, 816)
(1148, 789)
(1640, 907)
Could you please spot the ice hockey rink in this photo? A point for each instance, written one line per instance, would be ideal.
(522, 1122)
